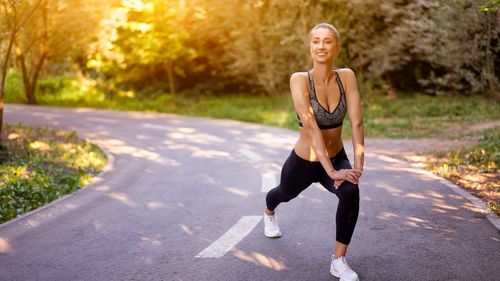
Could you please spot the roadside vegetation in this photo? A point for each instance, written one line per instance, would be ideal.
(39, 165)
(474, 167)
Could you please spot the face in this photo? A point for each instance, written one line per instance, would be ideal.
(323, 45)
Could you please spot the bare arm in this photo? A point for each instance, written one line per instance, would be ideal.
(300, 95)
(356, 117)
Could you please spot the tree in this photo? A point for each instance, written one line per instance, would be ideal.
(15, 15)
(60, 31)
(435, 46)
(142, 36)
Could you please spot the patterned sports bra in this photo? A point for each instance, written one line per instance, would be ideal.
(325, 119)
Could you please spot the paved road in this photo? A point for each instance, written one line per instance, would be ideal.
(183, 190)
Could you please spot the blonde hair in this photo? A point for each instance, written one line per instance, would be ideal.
(327, 26)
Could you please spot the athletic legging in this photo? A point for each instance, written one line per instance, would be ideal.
(297, 174)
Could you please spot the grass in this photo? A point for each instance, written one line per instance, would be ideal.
(39, 165)
(474, 167)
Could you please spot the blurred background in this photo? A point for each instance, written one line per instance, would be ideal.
(67, 51)
(425, 69)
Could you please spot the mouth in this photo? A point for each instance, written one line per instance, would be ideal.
(321, 53)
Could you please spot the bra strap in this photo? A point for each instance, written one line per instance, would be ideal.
(312, 90)
(339, 82)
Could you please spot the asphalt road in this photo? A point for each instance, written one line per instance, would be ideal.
(184, 201)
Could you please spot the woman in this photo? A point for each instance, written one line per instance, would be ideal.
(322, 97)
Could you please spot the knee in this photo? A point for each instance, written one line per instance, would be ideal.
(287, 197)
(349, 190)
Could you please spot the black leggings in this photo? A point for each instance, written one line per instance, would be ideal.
(297, 174)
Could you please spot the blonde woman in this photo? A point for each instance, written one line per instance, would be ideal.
(322, 97)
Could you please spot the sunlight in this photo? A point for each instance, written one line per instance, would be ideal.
(122, 197)
(387, 215)
(153, 241)
(260, 259)
(202, 138)
(210, 154)
(12, 136)
(5, 246)
(116, 146)
(239, 191)
(272, 141)
(414, 195)
(156, 205)
(186, 229)
(444, 206)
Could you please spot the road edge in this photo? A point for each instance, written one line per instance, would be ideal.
(476, 201)
(108, 167)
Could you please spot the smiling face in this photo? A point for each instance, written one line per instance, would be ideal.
(323, 45)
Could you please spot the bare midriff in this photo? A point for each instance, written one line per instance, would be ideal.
(333, 143)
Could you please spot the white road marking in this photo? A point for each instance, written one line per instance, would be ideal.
(154, 126)
(231, 238)
(268, 181)
(250, 154)
(103, 120)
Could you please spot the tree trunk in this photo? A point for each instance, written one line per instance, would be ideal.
(30, 83)
(3, 74)
(170, 75)
(16, 26)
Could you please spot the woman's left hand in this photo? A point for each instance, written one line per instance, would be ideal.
(337, 183)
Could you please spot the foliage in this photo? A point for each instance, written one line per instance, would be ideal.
(42, 165)
(437, 46)
(221, 46)
(143, 39)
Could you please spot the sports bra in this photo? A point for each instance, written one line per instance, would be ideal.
(325, 119)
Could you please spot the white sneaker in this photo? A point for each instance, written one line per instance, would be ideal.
(271, 228)
(340, 268)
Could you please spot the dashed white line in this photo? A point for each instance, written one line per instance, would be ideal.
(251, 155)
(268, 181)
(231, 238)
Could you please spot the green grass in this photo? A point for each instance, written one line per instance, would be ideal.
(417, 116)
(39, 165)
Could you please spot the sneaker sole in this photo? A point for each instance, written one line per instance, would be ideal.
(334, 273)
(272, 235)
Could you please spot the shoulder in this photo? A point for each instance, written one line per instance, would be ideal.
(299, 84)
(298, 75)
(298, 79)
(347, 75)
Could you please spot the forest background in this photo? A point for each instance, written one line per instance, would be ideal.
(145, 49)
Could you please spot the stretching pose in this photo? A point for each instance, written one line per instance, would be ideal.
(322, 97)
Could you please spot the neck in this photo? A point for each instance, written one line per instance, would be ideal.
(323, 72)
